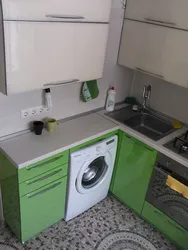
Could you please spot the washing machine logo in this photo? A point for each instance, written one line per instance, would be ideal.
(76, 156)
(98, 149)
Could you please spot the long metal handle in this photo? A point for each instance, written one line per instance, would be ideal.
(62, 83)
(124, 4)
(74, 17)
(44, 163)
(167, 221)
(44, 190)
(160, 22)
(150, 73)
(139, 144)
(45, 177)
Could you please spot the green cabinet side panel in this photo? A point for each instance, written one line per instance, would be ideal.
(40, 167)
(134, 169)
(42, 208)
(166, 225)
(10, 194)
(86, 144)
(120, 136)
(43, 179)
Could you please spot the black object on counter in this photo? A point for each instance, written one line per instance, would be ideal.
(38, 127)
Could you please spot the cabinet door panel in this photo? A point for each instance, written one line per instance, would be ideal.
(91, 40)
(155, 49)
(42, 208)
(172, 12)
(98, 10)
(132, 176)
(170, 228)
(38, 53)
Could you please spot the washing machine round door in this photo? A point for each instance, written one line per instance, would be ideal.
(93, 173)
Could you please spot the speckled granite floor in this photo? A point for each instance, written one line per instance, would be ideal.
(88, 229)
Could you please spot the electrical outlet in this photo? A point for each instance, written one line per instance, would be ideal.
(33, 111)
(40, 110)
(26, 113)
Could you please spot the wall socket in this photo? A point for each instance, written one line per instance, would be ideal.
(26, 113)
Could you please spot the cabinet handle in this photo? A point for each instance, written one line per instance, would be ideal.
(159, 21)
(44, 190)
(124, 4)
(167, 221)
(140, 144)
(62, 83)
(66, 16)
(150, 73)
(44, 163)
(45, 177)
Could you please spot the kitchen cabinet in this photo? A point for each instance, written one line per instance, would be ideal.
(133, 172)
(85, 10)
(171, 13)
(90, 50)
(34, 197)
(41, 54)
(155, 50)
(167, 226)
(49, 43)
(42, 207)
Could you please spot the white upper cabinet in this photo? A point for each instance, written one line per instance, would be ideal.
(165, 12)
(91, 41)
(83, 10)
(41, 54)
(156, 50)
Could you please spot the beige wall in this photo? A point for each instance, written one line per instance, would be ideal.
(66, 100)
(167, 98)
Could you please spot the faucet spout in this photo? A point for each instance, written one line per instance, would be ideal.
(145, 96)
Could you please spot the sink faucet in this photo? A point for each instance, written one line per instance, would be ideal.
(145, 96)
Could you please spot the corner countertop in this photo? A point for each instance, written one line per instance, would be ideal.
(29, 148)
(158, 145)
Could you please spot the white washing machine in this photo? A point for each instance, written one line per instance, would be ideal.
(90, 174)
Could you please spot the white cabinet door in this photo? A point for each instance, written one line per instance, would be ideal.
(91, 40)
(41, 54)
(157, 50)
(171, 12)
(38, 53)
(90, 10)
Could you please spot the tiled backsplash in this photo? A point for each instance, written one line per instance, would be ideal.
(167, 98)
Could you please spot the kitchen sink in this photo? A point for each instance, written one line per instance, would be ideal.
(147, 123)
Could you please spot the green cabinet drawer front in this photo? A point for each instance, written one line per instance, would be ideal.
(42, 166)
(133, 172)
(42, 180)
(42, 208)
(170, 228)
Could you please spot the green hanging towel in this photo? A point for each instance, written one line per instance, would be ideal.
(89, 90)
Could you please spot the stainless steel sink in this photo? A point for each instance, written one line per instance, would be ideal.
(146, 123)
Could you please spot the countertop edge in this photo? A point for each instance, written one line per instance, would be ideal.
(77, 143)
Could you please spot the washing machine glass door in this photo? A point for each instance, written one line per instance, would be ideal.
(92, 174)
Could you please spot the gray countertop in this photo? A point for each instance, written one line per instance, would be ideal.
(29, 148)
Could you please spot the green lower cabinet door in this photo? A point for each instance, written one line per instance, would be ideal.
(166, 225)
(133, 172)
(42, 208)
